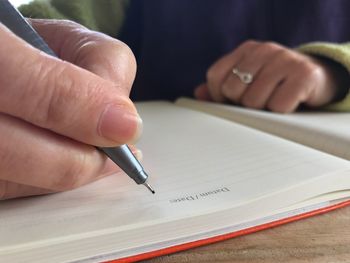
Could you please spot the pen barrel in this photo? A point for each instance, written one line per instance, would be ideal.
(13, 20)
(125, 159)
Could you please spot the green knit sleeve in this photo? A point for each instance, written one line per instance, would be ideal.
(339, 53)
(101, 15)
(40, 9)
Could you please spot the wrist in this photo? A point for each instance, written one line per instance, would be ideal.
(338, 78)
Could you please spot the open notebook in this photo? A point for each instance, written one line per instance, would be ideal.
(213, 178)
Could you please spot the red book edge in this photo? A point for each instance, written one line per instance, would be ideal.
(206, 241)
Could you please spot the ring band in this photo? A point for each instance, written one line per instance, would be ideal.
(245, 77)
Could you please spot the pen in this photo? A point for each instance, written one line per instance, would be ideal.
(122, 155)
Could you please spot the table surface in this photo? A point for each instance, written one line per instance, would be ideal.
(322, 238)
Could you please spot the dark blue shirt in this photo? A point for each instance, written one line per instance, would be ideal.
(175, 41)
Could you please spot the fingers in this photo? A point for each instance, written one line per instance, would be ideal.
(107, 57)
(42, 159)
(202, 93)
(89, 107)
(43, 162)
(296, 89)
(257, 94)
(282, 78)
(233, 88)
(217, 73)
(9, 190)
(63, 98)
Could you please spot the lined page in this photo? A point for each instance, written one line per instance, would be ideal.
(199, 164)
(325, 131)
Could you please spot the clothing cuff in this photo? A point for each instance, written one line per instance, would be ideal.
(339, 53)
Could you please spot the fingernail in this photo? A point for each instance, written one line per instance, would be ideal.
(120, 125)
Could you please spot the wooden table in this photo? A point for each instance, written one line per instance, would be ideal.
(323, 238)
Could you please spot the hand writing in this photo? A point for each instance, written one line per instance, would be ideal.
(53, 110)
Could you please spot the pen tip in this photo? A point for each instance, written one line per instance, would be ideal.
(149, 187)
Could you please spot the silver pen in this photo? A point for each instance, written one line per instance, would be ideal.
(122, 155)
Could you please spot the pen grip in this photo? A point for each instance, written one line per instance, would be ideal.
(122, 155)
(126, 161)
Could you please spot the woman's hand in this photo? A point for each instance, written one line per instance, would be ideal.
(282, 79)
(53, 110)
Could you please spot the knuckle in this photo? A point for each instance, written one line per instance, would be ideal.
(125, 74)
(55, 103)
(249, 43)
(69, 23)
(273, 52)
(113, 54)
(129, 54)
(310, 70)
(55, 97)
(283, 55)
(282, 58)
(273, 46)
(123, 48)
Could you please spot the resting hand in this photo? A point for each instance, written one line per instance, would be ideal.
(282, 79)
(52, 111)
